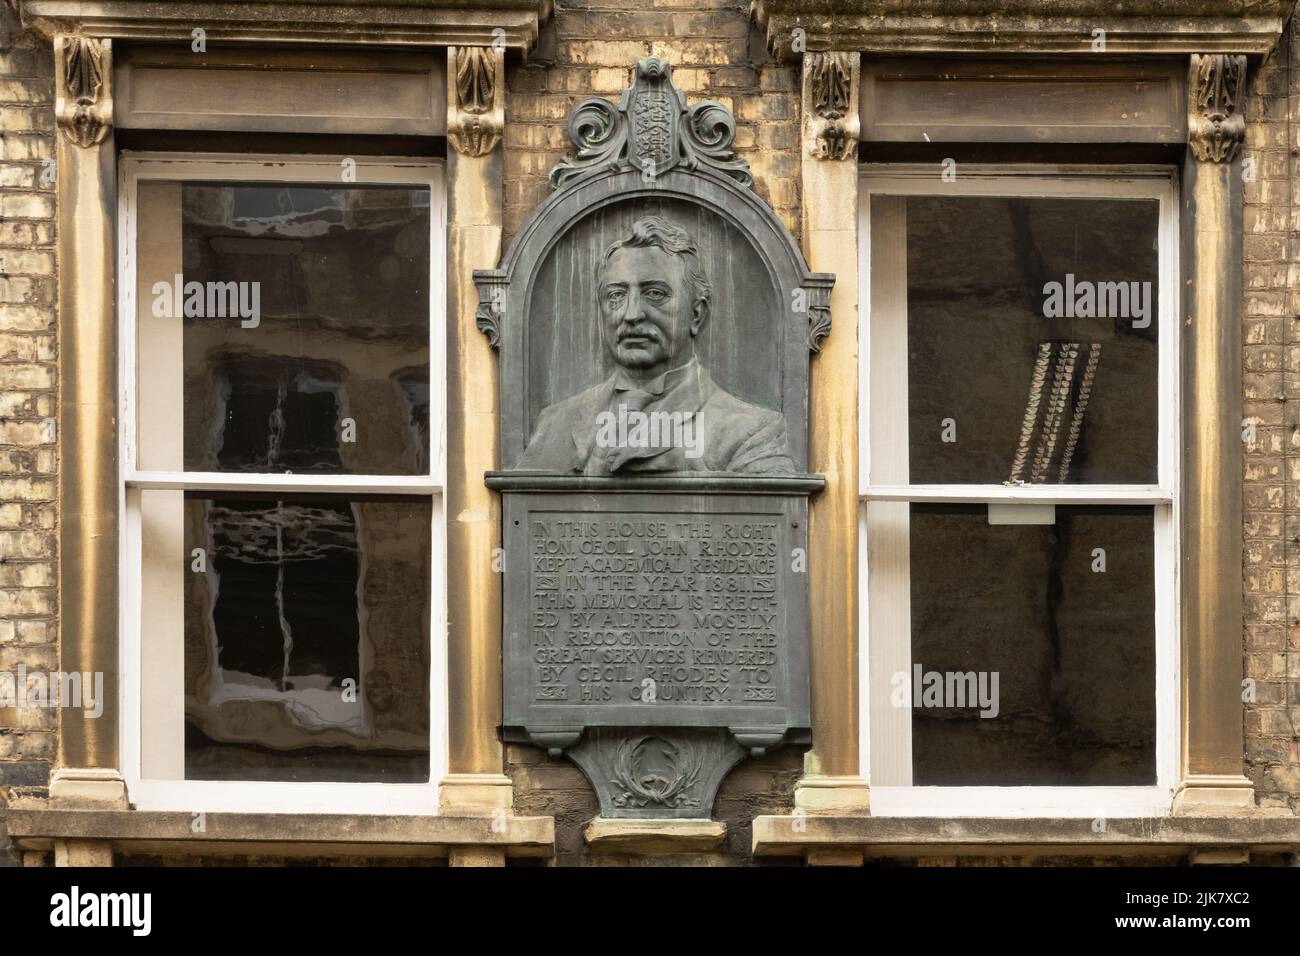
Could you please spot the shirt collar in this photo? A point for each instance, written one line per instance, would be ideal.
(657, 385)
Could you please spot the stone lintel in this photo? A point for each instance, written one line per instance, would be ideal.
(303, 21)
(1069, 27)
(655, 836)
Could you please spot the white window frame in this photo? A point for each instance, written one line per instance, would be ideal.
(1136, 182)
(253, 796)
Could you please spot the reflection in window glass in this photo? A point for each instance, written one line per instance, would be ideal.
(1032, 340)
(300, 306)
(414, 387)
(1048, 630)
(306, 641)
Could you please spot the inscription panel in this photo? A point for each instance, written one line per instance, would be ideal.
(655, 608)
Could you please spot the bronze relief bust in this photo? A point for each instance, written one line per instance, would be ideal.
(660, 411)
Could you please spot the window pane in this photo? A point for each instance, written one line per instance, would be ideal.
(306, 626)
(1031, 339)
(284, 328)
(1032, 657)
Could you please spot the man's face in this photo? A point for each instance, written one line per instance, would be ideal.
(648, 310)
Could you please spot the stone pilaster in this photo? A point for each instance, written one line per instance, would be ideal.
(833, 780)
(87, 771)
(476, 782)
(1211, 599)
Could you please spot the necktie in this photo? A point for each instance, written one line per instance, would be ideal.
(625, 406)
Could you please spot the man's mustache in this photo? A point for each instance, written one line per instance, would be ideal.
(638, 332)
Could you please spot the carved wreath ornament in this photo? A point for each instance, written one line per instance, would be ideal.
(652, 770)
(651, 129)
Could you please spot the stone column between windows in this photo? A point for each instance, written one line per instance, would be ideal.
(476, 782)
(87, 771)
(1212, 781)
(832, 780)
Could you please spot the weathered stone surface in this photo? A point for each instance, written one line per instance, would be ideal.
(320, 21)
(1023, 26)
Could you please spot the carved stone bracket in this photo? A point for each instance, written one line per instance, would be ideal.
(656, 772)
(1216, 128)
(84, 104)
(492, 285)
(818, 286)
(830, 104)
(475, 98)
(652, 130)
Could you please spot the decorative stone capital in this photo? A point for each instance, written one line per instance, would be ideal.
(83, 78)
(830, 104)
(476, 98)
(1216, 84)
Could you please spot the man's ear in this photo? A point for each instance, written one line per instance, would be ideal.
(699, 315)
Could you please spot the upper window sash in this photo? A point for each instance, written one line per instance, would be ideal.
(136, 169)
(889, 381)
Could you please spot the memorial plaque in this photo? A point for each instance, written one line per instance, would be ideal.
(663, 609)
(655, 320)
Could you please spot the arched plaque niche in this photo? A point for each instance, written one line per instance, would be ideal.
(655, 321)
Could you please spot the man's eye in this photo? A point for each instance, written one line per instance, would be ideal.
(613, 294)
(655, 294)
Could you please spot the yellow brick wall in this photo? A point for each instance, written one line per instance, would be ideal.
(1272, 402)
(28, 429)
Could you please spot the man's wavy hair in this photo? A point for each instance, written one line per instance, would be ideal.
(653, 231)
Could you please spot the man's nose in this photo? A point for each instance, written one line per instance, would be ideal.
(635, 306)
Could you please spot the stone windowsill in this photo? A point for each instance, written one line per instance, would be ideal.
(34, 825)
(856, 837)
